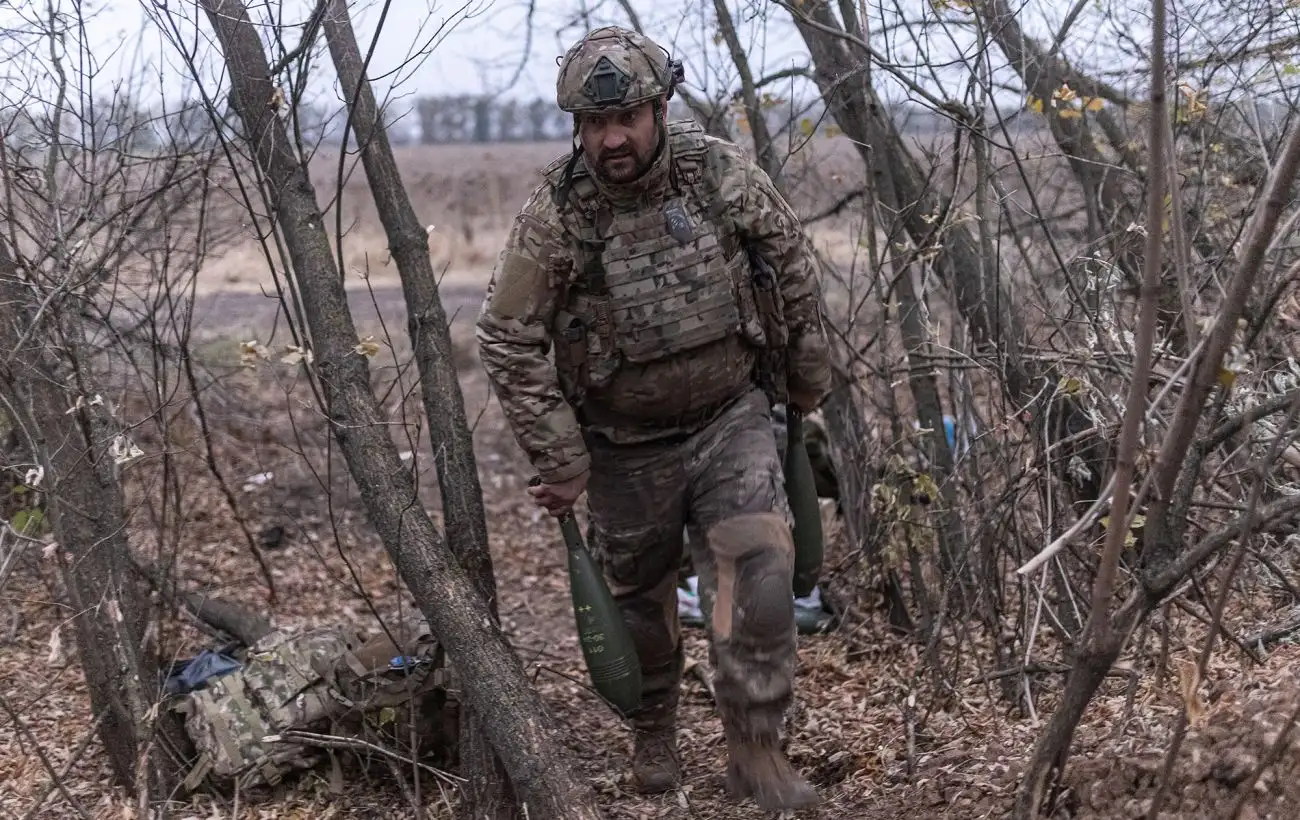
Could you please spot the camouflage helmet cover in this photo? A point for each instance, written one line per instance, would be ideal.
(614, 68)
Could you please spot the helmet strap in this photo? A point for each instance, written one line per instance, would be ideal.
(566, 180)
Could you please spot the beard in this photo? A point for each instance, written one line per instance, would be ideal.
(624, 164)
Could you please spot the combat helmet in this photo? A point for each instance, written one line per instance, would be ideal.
(614, 68)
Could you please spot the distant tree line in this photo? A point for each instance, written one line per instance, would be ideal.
(466, 118)
(121, 124)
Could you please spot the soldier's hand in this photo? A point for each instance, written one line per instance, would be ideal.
(805, 402)
(557, 499)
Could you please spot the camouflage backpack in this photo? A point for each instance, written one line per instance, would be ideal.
(320, 680)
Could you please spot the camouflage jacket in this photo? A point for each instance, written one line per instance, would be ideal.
(648, 301)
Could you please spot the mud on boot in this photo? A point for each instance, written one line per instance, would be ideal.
(655, 765)
(758, 769)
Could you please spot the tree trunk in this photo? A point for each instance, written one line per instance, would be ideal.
(984, 304)
(1086, 674)
(86, 510)
(493, 679)
(489, 792)
(763, 147)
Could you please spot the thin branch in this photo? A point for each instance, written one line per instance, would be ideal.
(356, 744)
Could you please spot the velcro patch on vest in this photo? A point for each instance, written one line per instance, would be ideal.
(678, 222)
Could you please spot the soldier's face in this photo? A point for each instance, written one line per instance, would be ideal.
(621, 144)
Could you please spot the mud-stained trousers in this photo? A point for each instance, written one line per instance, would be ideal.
(725, 485)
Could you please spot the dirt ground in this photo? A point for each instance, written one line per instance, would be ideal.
(866, 729)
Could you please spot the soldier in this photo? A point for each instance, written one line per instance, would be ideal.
(630, 260)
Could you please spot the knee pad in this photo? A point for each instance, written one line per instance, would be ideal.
(763, 589)
(755, 567)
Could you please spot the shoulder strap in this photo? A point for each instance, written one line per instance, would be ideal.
(691, 147)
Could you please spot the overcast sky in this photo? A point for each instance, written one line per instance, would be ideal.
(432, 46)
(463, 46)
(473, 46)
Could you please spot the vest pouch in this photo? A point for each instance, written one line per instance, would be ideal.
(751, 321)
(582, 358)
(769, 308)
(282, 669)
(570, 341)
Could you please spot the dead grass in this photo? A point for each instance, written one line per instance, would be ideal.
(469, 194)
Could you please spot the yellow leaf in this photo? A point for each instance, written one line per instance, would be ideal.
(1034, 104)
(1070, 113)
(1226, 377)
(1069, 385)
(367, 347)
(923, 485)
(806, 126)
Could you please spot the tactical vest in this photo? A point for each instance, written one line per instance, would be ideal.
(658, 281)
(323, 680)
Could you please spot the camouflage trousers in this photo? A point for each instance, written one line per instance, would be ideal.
(725, 486)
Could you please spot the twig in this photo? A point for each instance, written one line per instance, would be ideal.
(400, 776)
(355, 744)
(210, 459)
(57, 779)
(1090, 517)
(1035, 668)
(309, 32)
(1241, 643)
(1273, 634)
(1247, 788)
(55, 783)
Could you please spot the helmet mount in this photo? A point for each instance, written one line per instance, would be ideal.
(606, 83)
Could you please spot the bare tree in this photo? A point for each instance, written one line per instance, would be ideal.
(453, 444)
(101, 204)
(492, 677)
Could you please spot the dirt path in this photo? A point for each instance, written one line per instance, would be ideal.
(529, 563)
(230, 311)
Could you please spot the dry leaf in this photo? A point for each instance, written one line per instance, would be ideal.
(295, 354)
(252, 350)
(368, 347)
(1189, 681)
(124, 450)
(56, 647)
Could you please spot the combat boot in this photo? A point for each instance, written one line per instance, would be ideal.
(655, 765)
(757, 768)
